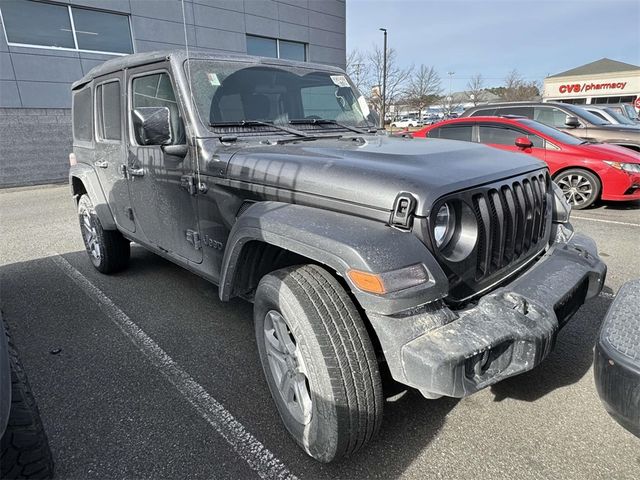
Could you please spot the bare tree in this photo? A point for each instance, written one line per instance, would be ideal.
(475, 89)
(423, 88)
(396, 78)
(517, 88)
(450, 104)
(358, 69)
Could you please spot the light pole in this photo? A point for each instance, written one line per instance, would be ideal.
(384, 79)
(450, 98)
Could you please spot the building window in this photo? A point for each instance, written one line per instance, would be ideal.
(276, 48)
(38, 24)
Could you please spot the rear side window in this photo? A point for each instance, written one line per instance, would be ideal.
(82, 124)
(520, 111)
(554, 117)
(484, 112)
(108, 110)
(457, 132)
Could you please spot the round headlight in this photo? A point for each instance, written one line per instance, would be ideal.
(444, 225)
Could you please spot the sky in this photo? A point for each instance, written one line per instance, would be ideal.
(493, 37)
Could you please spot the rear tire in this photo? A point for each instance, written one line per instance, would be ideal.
(24, 446)
(108, 250)
(318, 361)
(580, 187)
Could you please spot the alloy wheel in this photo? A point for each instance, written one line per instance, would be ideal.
(90, 236)
(576, 188)
(287, 367)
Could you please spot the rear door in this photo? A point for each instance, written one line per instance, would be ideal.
(111, 151)
(164, 210)
(454, 131)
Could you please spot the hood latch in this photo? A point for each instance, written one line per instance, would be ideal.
(403, 209)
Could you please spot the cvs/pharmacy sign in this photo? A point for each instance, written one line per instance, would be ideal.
(587, 87)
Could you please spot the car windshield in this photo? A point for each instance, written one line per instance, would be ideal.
(552, 133)
(261, 96)
(619, 117)
(631, 112)
(588, 116)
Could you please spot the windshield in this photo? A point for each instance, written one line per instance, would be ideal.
(631, 112)
(588, 116)
(619, 117)
(243, 94)
(552, 133)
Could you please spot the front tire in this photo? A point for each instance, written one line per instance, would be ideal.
(108, 250)
(318, 361)
(24, 446)
(580, 187)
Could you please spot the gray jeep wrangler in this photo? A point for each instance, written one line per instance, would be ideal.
(447, 265)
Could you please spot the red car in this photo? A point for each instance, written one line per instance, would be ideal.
(584, 171)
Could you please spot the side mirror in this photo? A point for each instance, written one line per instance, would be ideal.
(523, 143)
(572, 121)
(152, 125)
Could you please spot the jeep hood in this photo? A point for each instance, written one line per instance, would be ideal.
(372, 170)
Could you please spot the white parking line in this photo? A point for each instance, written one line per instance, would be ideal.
(257, 456)
(607, 221)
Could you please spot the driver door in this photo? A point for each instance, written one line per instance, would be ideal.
(503, 137)
(164, 211)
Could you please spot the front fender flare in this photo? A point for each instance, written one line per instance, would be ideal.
(340, 242)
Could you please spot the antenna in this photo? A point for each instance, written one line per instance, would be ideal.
(191, 102)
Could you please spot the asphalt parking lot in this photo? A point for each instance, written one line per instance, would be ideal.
(156, 378)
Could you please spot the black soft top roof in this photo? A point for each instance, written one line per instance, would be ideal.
(179, 55)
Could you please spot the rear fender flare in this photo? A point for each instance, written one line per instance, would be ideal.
(340, 242)
(89, 179)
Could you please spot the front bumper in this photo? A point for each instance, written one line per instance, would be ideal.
(511, 330)
(616, 363)
(621, 186)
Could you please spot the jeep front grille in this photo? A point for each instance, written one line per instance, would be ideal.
(513, 219)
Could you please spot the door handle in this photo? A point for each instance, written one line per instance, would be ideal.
(136, 172)
(101, 164)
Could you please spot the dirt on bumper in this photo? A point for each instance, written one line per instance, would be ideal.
(510, 330)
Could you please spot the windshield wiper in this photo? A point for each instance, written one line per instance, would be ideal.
(255, 123)
(320, 121)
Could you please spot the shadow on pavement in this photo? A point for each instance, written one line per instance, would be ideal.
(49, 311)
(568, 362)
(631, 205)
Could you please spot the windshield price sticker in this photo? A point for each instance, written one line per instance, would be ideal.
(363, 106)
(340, 80)
(213, 79)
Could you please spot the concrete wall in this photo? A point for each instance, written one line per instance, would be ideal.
(34, 145)
(38, 78)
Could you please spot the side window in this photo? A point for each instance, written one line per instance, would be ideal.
(551, 116)
(484, 112)
(82, 113)
(108, 111)
(155, 90)
(499, 135)
(520, 111)
(598, 114)
(458, 132)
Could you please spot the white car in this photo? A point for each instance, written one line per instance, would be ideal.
(406, 122)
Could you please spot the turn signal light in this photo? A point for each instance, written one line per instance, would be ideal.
(368, 282)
